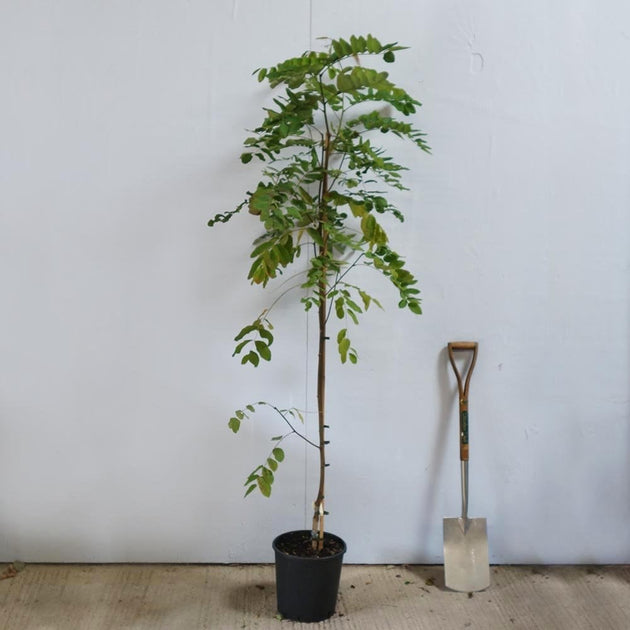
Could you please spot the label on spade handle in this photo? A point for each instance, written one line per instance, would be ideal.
(463, 431)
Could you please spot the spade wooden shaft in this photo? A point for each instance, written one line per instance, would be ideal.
(463, 385)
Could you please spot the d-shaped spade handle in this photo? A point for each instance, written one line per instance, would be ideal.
(463, 385)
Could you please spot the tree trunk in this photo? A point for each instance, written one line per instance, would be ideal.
(318, 505)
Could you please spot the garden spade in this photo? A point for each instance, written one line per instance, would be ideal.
(466, 566)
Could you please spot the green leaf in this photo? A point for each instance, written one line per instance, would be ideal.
(278, 453)
(262, 74)
(359, 78)
(344, 84)
(358, 209)
(263, 247)
(315, 235)
(353, 305)
(264, 487)
(368, 227)
(246, 157)
(267, 475)
(276, 438)
(366, 299)
(357, 44)
(251, 408)
(260, 199)
(340, 47)
(253, 476)
(258, 272)
(389, 57)
(339, 308)
(265, 334)
(234, 424)
(245, 331)
(373, 45)
(305, 195)
(250, 490)
(240, 346)
(263, 350)
(272, 463)
(414, 307)
(344, 346)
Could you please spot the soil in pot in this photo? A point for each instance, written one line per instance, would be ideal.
(300, 544)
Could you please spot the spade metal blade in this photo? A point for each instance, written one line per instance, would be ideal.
(466, 565)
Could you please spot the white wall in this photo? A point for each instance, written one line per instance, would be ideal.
(121, 124)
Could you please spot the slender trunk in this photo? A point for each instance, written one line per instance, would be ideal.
(318, 505)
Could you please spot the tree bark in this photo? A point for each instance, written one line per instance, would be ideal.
(318, 505)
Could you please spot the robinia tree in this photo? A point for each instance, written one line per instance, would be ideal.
(322, 195)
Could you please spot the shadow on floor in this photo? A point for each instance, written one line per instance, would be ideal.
(255, 598)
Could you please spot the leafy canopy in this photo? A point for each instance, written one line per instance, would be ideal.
(323, 190)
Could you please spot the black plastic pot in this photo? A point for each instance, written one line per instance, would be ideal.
(307, 587)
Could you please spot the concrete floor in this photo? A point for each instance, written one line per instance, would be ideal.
(191, 597)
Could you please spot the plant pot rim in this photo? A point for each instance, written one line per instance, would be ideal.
(274, 544)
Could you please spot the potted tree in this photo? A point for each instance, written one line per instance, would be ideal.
(321, 196)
